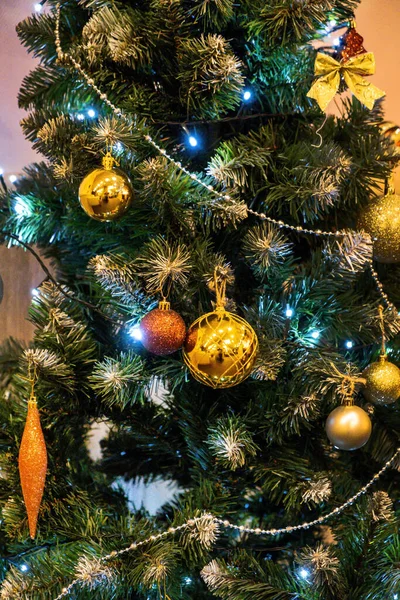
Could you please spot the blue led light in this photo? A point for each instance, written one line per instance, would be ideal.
(80, 117)
(349, 344)
(289, 312)
(315, 334)
(136, 333)
(247, 95)
(91, 113)
(193, 141)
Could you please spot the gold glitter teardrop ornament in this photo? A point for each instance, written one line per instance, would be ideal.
(106, 193)
(381, 219)
(348, 427)
(163, 330)
(32, 464)
(382, 382)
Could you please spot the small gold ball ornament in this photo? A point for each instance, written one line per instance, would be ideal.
(381, 219)
(106, 193)
(382, 382)
(220, 349)
(163, 330)
(348, 427)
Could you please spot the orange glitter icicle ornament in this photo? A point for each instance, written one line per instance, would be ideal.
(32, 464)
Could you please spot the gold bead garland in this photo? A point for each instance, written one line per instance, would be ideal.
(241, 528)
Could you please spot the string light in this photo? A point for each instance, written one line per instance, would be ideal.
(289, 312)
(304, 573)
(35, 292)
(349, 344)
(247, 95)
(193, 141)
(21, 208)
(1, 172)
(80, 117)
(91, 113)
(336, 42)
(13, 178)
(24, 568)
(136, 333)
(38, 7)
(315, 334)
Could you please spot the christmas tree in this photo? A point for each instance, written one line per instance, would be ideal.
(186, 162)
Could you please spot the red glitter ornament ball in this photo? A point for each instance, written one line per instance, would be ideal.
(163, 330)
(353, 45)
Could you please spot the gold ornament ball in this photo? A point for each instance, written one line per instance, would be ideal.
(105, 194)
(163, 330)
(381, 219)
(348, 427)
(382, 382)
(220, 349)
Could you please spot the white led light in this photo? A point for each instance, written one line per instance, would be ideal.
(38, 7)
(349, 344)
(24, 568)
(35, 292)
(304, 573)
(13, 178)
(247, 95)
(136, 332)
(187, 580)
(289, 312)
(80, 116)
(21, 208)
(91, 113)
(1, 172)
(315, 334)
(193, 141)
(336, 42)
(395, 597)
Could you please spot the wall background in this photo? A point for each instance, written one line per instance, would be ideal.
(377, 21)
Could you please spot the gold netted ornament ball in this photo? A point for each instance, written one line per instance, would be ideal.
(348, 427)
(163, 330)
(381, 219)
(220, 349)
(382, 382)
(106, 193)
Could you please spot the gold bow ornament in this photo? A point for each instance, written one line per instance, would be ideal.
(328, 70)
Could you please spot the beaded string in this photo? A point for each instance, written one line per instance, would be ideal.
(171, 531)
(66, 57)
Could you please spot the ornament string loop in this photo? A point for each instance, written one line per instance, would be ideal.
(220, 290)
(32, 378)
(348, 385)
